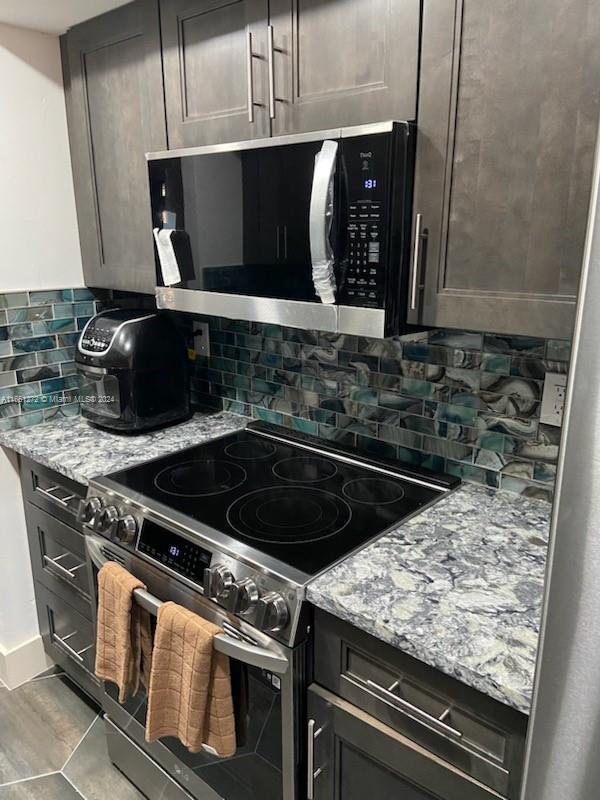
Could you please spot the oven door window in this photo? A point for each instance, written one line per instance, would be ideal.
(100, 394)
(255, 769)
(240, 220)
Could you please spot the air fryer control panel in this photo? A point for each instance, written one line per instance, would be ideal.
(97, 336)
(366, 175)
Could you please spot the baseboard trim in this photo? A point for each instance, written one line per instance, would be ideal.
(22, 663)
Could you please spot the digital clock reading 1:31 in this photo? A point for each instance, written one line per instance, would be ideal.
(174, 551)
(370, 183)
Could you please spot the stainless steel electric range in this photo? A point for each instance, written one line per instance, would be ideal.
(234, 529)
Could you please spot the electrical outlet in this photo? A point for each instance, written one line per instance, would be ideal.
(553, 399)
(201, 339)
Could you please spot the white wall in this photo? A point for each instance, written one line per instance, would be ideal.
(40, 250)
(40, 244)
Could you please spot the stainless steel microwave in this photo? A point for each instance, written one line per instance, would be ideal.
(309, 230)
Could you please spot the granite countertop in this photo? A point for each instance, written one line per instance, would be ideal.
(80, 451)
(458, 587)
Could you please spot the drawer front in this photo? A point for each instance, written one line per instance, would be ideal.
(68, 636)
(351, 755)
(52, 492)
(470, 731)
(58, 558)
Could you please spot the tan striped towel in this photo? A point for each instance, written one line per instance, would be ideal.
(190, 684)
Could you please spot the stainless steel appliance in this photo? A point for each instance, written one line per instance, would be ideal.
(564, 738)
(309, 231)
(234, 529)
(134, 367)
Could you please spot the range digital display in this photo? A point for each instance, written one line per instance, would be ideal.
(174, 551)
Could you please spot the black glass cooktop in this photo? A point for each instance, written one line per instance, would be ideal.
(304, 508)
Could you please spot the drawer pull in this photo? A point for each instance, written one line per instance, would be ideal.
(393, 700)
(61, 642)
(48, 493)
(62, 572)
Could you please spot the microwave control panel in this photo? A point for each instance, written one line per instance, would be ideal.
(364, 279)
(366, 174)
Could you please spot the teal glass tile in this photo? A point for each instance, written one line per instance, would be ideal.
(64, 310)
(5, 348)
(546, 473)
(266, 415)
(17, 362)
(21, 391)
(62, 410)
(20, 330)
(474, 474)
(42, 401)
(491, 440)
(67, 339)
(52, 385)
(461, 415)
(80, 294)
(363, 395)
(32, 345)
(38, 373)
(41, 327)
(28, 314)
(236, 407)
(7, 379)
(54, 296)
(418, 388)
(68, 368)
(56, 356)
(22, 421)
(85, 309)
(14, 299)
(375, 447)
(496, 362)
(304, 426)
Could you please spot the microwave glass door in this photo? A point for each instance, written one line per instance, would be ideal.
(240, 219)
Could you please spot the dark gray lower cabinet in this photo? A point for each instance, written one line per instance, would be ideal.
(115, 110)
(381, 722)
(62, 579)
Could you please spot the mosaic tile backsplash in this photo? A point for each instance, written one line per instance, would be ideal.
(38, 334)
(465, 403)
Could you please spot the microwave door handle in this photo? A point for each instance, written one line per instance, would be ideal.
(321, 217)
(240, 650)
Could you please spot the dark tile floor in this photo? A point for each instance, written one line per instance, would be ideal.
(52, 745)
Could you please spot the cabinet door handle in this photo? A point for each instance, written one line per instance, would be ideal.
(401, 704)
(312, 773)
(414, 280)
(271, 57)
(250, 77)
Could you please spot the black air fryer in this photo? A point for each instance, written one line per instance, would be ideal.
(135, 370)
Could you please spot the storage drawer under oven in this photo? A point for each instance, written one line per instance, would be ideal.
(69, 638)
(55, 493)
(58, 558)
(474, 733)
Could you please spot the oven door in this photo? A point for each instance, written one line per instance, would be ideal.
(265, 684)
(249, 226)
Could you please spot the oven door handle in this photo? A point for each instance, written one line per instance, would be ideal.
(239, 649)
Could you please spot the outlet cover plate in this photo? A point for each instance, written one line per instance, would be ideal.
(553, 399)
(201, 339)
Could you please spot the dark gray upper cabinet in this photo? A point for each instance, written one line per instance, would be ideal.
(115, 109)
(508, 112)
(241, 69)
(216, 71)
(343, 63)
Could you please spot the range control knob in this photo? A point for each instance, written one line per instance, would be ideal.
(88, 509)
(218, 580)
(271, 613)
(106, 520)
(127, 529)
(242, 596)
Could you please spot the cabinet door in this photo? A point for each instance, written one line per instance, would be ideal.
(352, 756)
(214, 57)
(503, 182)
(336, 64)
(115, 109)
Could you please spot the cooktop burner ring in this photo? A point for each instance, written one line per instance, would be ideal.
(248, 450)
(217, 475)
(298, 469)
(373, 491)
(261, 515)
